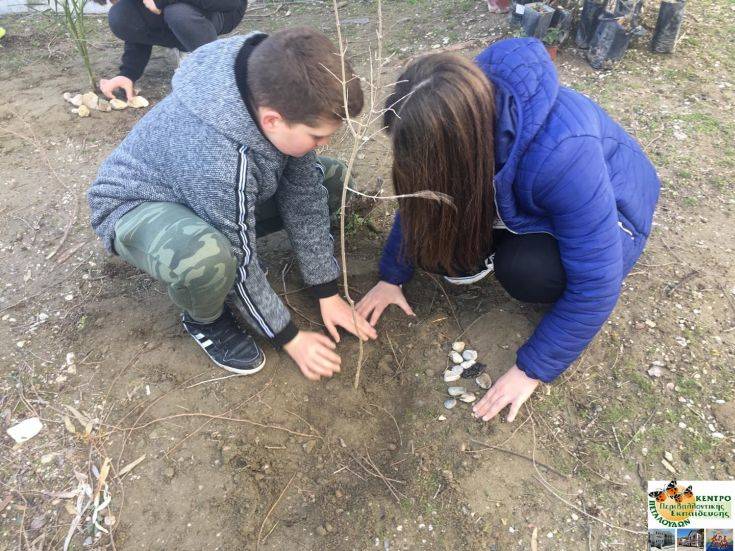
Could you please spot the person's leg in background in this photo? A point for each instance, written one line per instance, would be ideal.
(195, 262)
(529, 267)
(191, 26)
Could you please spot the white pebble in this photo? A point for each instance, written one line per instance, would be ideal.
(469, 355)
(458, 346)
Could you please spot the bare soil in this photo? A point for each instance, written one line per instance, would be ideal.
(276, 462)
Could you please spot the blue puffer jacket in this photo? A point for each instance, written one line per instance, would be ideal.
(563, 168)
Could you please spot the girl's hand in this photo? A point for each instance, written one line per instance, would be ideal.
(337, 313)
(379, 298)
(108, 86)
(313, 353)
(514, 388)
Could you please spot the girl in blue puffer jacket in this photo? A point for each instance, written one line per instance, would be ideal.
(547, 192)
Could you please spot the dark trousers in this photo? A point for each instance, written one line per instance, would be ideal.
(181, 26)
(529, 266)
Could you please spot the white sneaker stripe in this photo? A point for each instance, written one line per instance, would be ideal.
(206, 343)
(199, 336)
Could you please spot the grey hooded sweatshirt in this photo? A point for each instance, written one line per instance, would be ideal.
(201, 148)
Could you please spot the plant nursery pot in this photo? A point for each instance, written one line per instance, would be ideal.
(516, 11)
(562, 20)
(498, 6)
(536, 19)
(668, 24)
(609, 43)
(588, 19)
(553, 51)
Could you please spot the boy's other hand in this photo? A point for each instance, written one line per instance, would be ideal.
(514, 388)
(337, 313)
(151, 5)
(379, 298)
(108, 86)
(314, 355)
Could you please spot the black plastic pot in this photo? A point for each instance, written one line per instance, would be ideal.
(588, 19)
(609, 43)
(517, 9)
(668, 24)
(562, 20)
(630, 9)
(536, 19)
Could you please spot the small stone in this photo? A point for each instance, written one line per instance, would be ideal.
(392, 447)
(328, 527)
(669, 456)
(90, 100)
(75, 100)
(25, 430)
(644, 451)
(650, 323)
(456, 390)
(138, 102)
(442, 418)
(321, 531)
(484, 381)
(718, 435)
(473, 371)
(450, 376)
(470, 355)
(458, 346)
(655, 371)
(668, 466)
(118, 104)
(467, 364)
(670, 386)
(575, 516)
(83, 111)
(456, 357)
(468, 397)
(450, 403)
(682, 425)
(104, 106)
(88, 541)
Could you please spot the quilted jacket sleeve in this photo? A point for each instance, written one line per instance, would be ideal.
(573, 187)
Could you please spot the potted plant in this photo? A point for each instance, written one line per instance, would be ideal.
(552, 39)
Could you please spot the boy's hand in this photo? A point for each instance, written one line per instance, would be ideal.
(514, 388)
(151, 5)
(108, 86)
(337, 313)
(379, 298)
(312, 352)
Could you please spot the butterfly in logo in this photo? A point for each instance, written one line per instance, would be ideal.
(671, 489)
(658, 495)
(685, 494)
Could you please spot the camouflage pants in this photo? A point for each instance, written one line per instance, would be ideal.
(195, 261)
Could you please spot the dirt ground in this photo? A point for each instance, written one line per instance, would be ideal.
(276, 462)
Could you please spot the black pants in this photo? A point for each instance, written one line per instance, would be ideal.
(529, 266)
(181, 26)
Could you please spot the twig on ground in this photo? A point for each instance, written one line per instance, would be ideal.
(519, 455)
(398, 430)
(556, 493)
(275, 503)
(446, 296)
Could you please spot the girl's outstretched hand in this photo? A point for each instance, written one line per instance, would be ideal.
(379, 298)
(514, 388)
(337, 313)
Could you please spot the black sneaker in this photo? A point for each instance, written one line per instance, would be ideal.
(226, 344)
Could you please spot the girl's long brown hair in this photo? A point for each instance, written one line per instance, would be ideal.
(440, 119)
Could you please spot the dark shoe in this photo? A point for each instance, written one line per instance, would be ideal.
(226, 344)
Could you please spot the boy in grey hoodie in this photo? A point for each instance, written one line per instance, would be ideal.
(185, 195)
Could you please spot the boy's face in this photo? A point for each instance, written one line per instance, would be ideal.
(297, 139)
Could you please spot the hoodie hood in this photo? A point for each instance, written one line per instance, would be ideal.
(526, 87)
(206, 85)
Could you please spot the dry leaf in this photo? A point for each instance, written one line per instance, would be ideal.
(69, 425)
(130, 466)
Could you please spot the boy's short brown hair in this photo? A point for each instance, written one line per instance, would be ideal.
(298, 72)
